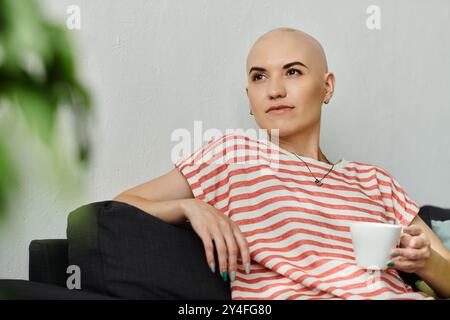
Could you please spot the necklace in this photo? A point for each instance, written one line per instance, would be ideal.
(317, 181)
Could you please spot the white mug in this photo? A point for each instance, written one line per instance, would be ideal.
(373, 242)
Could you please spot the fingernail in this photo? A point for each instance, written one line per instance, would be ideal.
(213, 267)
(395, 254)
(232, 275)
(224, 276)
(391, 264)
(247, 268)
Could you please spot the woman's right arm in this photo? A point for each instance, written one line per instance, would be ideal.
(170, 199)
(162, 197)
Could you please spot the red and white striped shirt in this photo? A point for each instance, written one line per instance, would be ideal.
(298, 232)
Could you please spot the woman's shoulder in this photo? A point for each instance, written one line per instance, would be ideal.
(377, 171)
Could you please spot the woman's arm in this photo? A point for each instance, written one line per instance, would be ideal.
(170, 211)
(162, 197)
(423, 253)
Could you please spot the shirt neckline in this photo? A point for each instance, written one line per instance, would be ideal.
(341, 163)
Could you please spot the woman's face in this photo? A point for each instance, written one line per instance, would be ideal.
(295, 74)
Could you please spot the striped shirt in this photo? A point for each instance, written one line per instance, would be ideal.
(298, 232)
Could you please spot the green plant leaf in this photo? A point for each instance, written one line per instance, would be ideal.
(8, 177)
(38, 109)
(38, 76)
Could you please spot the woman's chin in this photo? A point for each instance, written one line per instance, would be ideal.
(284, 128)
(280, 132)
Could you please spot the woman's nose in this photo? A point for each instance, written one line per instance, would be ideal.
(276, 89)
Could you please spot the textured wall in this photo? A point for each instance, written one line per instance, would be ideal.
(155, 66)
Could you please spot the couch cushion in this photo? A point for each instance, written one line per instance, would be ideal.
(442, 230)
(125, 252)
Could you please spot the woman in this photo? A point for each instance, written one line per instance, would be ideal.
(283, 232)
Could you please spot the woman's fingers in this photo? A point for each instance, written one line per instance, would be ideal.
(209, 251)
(408, 265)
(231, 243)
(222, 234)
(414, 245)
(417, 241)
(222, 253)
(412, 230)
(232, 252)
(405, 240)
(243, 247)
(411, 253)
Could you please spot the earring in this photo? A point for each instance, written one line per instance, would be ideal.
(251, 112)
(326, 102)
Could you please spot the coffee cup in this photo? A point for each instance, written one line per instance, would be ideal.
(373, 243)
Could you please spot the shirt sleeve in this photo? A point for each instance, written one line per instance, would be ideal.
(399, 205)
(206, 170)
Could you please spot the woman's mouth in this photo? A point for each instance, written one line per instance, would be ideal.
(279, 109)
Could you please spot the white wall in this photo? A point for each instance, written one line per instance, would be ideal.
(154, 66)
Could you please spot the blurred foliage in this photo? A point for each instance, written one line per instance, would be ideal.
(37, 78)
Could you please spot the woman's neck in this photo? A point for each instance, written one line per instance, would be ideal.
(303, 144)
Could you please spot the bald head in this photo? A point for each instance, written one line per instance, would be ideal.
(282, 44)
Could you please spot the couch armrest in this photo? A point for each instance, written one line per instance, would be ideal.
(48, 261)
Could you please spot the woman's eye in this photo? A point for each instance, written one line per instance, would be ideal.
(294, 70)
(256, 75)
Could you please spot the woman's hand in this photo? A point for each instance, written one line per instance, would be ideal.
(212, 225)
(413, 252)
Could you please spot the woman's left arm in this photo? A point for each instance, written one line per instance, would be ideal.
(423, 253)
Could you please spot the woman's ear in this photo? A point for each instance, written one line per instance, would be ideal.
(330, 83)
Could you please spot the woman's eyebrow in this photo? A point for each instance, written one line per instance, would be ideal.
(290, 64)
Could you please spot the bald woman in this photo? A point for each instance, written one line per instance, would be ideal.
(284, 233)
